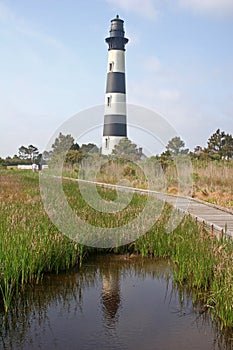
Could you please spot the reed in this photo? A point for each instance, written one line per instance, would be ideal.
(213, 182)
(30, 244)
(201, 262)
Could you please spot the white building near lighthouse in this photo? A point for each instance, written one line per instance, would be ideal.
(115, 124)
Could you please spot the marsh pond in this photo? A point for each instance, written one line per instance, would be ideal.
(112, 302)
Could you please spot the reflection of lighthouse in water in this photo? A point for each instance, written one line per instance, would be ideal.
(110, 297)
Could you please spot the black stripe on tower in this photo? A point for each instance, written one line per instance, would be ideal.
(115, 82)
(115, 125)
(116, 43)
(115, 129)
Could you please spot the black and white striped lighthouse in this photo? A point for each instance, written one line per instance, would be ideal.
(115, 126)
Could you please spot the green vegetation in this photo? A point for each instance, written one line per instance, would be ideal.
(203, 264)
(30, 245)
(210, 178)
(126, 149)
(102, 219)
(219, 147)
(65, 147)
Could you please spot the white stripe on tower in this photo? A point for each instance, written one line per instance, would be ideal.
(115, 126)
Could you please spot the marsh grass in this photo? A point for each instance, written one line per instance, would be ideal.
(213, 182)
(30, 245)
(98, 218)
(115, 170)
(202, 263)
(210, 180)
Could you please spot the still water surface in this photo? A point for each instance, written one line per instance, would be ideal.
(112, 303)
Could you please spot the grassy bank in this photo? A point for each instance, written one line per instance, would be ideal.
(30, 245)
(203, 264)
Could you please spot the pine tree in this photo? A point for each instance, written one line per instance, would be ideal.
(220, 144)
(127, 149)
(176, 146)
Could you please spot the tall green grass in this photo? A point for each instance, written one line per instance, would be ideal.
(201, 262)
(30, 244)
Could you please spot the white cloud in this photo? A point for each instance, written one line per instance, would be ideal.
(218, 7)
(145, 8)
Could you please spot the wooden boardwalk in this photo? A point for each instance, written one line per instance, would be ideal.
(218, 219)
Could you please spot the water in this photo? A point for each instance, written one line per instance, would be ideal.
(112, 303)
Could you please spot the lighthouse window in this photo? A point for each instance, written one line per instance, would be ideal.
(109, 98)
(110, 67)
(106, 143)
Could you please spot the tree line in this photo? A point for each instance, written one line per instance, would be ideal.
(219, 146)
(28, 155)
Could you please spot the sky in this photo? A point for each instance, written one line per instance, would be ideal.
(53, 64)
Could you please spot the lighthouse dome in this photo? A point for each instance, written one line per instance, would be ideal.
(117, 27)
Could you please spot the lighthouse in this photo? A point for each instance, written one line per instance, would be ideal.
(115, 125)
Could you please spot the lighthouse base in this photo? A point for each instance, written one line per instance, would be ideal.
(108, 144)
